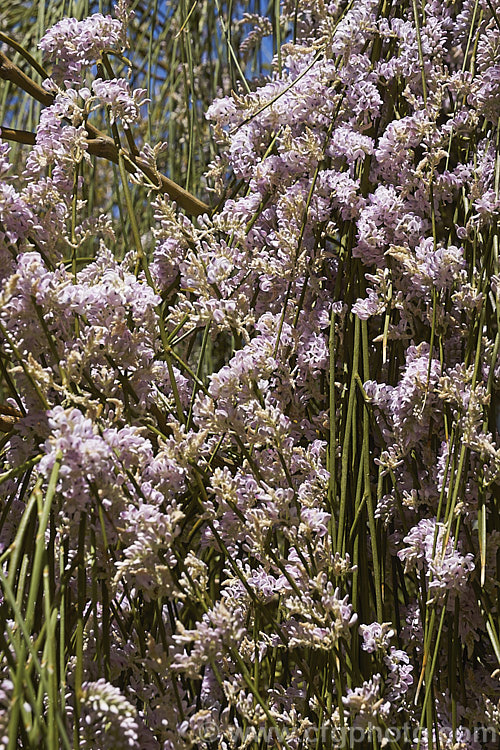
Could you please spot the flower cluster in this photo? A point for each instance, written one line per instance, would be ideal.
(74, 45)
(266, 436)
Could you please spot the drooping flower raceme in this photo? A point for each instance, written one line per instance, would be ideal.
(73, 45)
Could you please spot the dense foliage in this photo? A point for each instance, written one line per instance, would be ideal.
(251, 469)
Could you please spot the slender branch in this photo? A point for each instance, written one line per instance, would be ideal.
(24, 53)
(99, 144)
(19, 136)
(10, 72)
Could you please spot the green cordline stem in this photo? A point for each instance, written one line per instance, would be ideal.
(79, 631)
(359, 501)
(226, 32)
(62, 633)
(454, 637)
(420, 52)
(26, 645)
(50, 340)
(24, 367)
(299, 243)
(278, 34)
(348, 435)
(490, 629)
(15, 472)
(171, 336)
(150, 65)
(368, 493)
(131, 214)
(234, 654)
(332, 427)
(275, 98)
(19, 681)
(143, 262)
(16, 548)
(43, 518)
(190, 102)
(199, 369)
(449, 470)
(359, 507)
(74, 200)
(175, 390)
(494, 13)
(49, 659)
(357, 598)
(427, 707)
(171, 352)
(463, 450)
(23, 574)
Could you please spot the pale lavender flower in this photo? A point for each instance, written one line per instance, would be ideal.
(376, 636)
(432, 267)
(17, 220)
(376, 225)
(50, 203)
(487, 206)
(123, 11)
(349, 144)
(461, 738)
(386, 507)
(487, 86)
(410, 404)
(366, 703)
(260, 27)
(314, 522)
(72, 45)
(350, 34)
(343, 193)
(6, 690)
(492, 712)
(267, 269)
(108, 719)
(147, 558)
(318, 628)
(123, 103)
(210, 691)
(392, 153)
(399, 678)
(6, 694)
(58, 145)
(368, 307)
(364, 99)
(85, 456)
(5, 165)
(221, 628)
(412, 632)
(264, 584)
(445, 566)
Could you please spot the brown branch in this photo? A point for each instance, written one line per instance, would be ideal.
(25, 54)
(99, 144)
(10, 72)
(19, 136)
